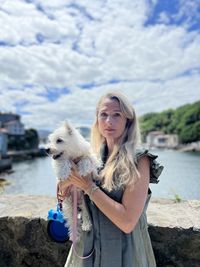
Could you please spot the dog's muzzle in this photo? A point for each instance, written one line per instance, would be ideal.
(57, 156)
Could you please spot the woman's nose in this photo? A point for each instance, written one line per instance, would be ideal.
(109, 119)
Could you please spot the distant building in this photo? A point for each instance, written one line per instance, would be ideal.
(161, 140)
(11, 122)
(14, 128)
(3, 142)
(6, 117)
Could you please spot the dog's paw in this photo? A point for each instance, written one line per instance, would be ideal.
(86, 226)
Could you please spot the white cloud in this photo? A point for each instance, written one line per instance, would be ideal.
(189, 10)
(86, 42)
(164, 18)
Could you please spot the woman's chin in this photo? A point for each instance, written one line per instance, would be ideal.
(109, 135)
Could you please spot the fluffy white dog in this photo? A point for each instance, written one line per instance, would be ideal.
(67, 145)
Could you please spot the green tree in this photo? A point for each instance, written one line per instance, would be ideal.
(184, 121)
(32, 139)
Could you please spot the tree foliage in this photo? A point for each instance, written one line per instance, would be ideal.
(184, 121)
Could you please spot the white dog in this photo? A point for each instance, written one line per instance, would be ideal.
(67, 145)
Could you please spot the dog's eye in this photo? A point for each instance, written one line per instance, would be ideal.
(59, 141)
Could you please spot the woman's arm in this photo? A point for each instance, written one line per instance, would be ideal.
(124, 215)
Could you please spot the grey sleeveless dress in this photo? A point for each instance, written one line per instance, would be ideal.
(111, 247)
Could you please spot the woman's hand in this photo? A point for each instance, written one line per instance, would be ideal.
(63, 191)
(82, 182)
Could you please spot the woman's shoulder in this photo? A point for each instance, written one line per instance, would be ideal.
(139, 152)
(156, 167)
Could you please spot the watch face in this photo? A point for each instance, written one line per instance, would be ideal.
(57, 231)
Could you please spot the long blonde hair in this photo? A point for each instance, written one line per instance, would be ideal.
(120, 163)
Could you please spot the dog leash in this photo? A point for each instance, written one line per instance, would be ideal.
(74, 230)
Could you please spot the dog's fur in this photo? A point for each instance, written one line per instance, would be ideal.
(66, 145)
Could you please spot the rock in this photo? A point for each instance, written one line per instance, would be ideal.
(174, 229)
(23, 233)
(24, 242)
(168, 213)
(175, 246)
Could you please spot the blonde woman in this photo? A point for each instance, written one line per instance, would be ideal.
(117, 202)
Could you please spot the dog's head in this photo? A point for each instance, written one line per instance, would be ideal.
(65, 142)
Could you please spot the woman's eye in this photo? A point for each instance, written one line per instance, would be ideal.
(103, 115)
(59, 141)
(116, 115)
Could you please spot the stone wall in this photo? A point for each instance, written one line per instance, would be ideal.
(24, 242)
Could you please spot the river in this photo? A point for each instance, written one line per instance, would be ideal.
(181, 176)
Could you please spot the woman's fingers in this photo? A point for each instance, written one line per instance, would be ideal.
(82, 182)
(74, 172)
(68, 190)
(60, 197)
(63, 189)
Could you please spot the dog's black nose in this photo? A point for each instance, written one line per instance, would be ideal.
(48, 150)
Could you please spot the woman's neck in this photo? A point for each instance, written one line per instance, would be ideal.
(110, 145)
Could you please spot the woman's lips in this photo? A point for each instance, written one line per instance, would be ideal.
(109, 130)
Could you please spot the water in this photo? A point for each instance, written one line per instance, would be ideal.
(181, 176)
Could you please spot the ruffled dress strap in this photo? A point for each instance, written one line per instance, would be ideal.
(155, 167)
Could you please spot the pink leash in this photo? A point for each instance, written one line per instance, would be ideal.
(74, 230)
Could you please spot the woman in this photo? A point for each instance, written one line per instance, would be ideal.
(117, 202)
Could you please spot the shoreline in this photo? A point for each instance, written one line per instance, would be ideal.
(18, 156)
(26, 154)
(182, 147)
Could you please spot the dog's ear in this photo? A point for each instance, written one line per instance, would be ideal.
(68, 127)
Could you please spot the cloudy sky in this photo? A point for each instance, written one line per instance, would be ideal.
(58, 56)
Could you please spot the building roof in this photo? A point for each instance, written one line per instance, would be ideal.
(3, 130)
(155, 133)
(13, 122)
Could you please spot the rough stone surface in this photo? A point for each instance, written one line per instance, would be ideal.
(168, 213)
(175, 246)
(24, 242)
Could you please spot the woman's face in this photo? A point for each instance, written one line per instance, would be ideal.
(111, 121)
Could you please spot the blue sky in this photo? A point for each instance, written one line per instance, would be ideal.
(58, 57)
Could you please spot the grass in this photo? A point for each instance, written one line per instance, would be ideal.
(177, 198)
(3, 183)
